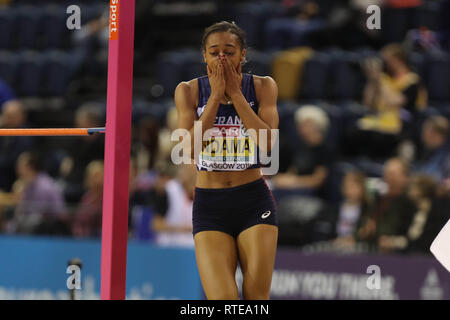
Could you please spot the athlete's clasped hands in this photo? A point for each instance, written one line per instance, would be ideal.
(224, 79)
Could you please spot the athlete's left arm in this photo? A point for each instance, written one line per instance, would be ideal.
(267, 117)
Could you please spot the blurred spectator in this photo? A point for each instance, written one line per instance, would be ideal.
(386, 94)
(12, 115)
(392, 85)
(347, 25)
(138, 191)
(426, 222)
(434, 159)
(422, 40)
(143, 196)
(39, 198)
(393, 209)
(309, 162)
(82, 151)
(147, 146)
(88, 217)
(148, 197)
(353, 207)
(154, 142)
(165, 142)
(96, 28)
(174, 227)
(91, 43)
(6, 94)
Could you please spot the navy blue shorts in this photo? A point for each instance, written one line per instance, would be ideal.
(232, 210)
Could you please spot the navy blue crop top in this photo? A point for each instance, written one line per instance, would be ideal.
(230, 148)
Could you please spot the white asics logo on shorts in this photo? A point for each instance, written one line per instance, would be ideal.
(265, 214)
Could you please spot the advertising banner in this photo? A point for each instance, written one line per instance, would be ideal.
(358, 277)
(37, 268)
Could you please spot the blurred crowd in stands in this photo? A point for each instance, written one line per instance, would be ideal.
(364, 118)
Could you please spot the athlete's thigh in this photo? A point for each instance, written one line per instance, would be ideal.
(257, 248)
(216, 256)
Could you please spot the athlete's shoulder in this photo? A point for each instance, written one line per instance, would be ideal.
(188, 90)
(263, 83)
(187, 85)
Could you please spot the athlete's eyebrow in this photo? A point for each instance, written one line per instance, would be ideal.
(227, 45)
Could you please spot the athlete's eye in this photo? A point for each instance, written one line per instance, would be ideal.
(229, 53)
(214, 53)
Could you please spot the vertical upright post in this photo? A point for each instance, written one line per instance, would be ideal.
(117, 150)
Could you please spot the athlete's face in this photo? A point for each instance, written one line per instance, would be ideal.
(223, 44)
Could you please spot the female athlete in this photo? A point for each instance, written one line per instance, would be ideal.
(234, 212)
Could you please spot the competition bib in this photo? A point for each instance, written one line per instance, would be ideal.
(230, 148)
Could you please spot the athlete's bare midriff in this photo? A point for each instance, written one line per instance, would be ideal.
(226, 179)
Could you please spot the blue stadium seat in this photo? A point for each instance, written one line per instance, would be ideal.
(417, 62)
(259, 63)
(282, 33)
(395, 23)
(438, 78)
(92, 10)
(58, 73)
(142, 109)
(300, 32)
(8, 67)
(278, 33)
(54, 27)
(193, 64)
(28, 22)
(427, 15)
(169, 70)
(7, 23)
(251, 17)
(315, 77)
(286, 112)
(346, 77)
(193, 70)
(176, 66)
(31, 71)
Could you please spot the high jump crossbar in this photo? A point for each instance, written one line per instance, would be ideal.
(51, 132)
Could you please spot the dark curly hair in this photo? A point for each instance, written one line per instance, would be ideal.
(225, 26)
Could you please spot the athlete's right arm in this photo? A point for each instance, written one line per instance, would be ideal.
(186, 108)
(187, 115)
